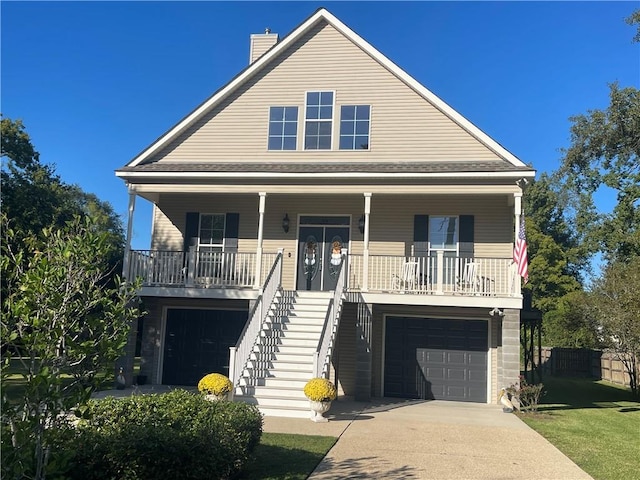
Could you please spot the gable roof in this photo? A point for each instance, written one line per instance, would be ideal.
(319, 16)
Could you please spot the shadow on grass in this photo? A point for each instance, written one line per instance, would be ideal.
(276, 457)
(563, 393)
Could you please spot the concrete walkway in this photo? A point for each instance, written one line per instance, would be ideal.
(389, 439)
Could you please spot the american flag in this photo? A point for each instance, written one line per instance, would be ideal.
(520, 252)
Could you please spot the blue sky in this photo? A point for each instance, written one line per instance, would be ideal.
(97, 82)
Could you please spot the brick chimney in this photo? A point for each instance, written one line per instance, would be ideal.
(260, 43)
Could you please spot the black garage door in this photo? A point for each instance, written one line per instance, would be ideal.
(197, 342)
(436, 359)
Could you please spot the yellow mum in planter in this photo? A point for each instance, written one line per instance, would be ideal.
(215, 384)
(320, 390)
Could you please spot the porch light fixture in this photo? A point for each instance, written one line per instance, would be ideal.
(361, 224)
(285, 223)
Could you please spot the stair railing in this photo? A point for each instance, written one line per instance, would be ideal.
(240, 354)
(322, 355)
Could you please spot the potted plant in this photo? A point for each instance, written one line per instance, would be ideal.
(320, 392)
(215, 386)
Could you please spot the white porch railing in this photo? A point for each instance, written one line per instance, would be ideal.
(240, 354)
(322, 356)
(201, 269)
(438, 274)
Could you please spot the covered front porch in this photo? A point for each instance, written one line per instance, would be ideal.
(390, 274)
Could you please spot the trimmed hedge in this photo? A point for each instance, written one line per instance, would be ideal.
(167, 436)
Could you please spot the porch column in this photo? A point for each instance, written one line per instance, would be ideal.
(517, 210)
(365, 253)
(127, 245)
(258, 281)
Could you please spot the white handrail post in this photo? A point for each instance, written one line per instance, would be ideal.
(232, 368)
(191, 274)
(127, 245)
(440, 273)
(365, 257)
(261, 207)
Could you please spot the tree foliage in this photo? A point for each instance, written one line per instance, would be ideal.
(68, 324)
(615, 301)
(634, 19)
(605, 153)
(33, 197)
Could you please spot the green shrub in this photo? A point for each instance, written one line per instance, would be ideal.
(173, 435)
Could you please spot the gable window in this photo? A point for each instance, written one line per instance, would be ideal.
(211, 233)
(283, 128)
(354, 127)
(318, 121)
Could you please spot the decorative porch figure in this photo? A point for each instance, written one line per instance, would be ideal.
(336, 252)
(120, 380)
(310, 254)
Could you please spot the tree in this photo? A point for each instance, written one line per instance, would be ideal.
(616, 304)
(33, 196)
(634, 19)
(69, 324)
(555, 262)
(605, 152)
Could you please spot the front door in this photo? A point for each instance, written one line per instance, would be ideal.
(319, 253)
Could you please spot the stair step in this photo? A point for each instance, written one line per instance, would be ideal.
(289, 392)
(287, 349)
(278, 382)
(278, 402)
(292, 357)
(285, 374)
(288, 365)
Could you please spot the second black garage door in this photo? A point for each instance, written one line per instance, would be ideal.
(436, 359)
(197, 342)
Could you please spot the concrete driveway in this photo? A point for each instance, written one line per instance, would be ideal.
(389, 439)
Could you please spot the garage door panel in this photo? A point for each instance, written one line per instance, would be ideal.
(197, 342)
(451, 356)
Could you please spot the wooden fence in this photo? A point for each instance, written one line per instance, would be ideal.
(603, 365)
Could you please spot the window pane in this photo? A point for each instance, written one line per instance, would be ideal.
(362, 143)
(313, 113)
(275, 128)
(326, 98)
(289, 143)
(325, 128)
(275, 143)
(310, 143)
(362, 112)
(326, 113)
(443, 233)
(324, 143)
(346, 143)
(276, 113)
(362, 128)
(291, 114)
(313, 128)
(290, 128)
(347, 112)
(313, 98)
(347, 128)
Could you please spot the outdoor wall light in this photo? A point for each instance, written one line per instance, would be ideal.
(361, 224)
(285, 223)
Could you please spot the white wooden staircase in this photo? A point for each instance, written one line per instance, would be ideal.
(282, 361)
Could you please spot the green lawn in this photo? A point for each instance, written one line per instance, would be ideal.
(287, 457)
(595, 423)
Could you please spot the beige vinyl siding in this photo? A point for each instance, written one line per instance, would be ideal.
(344, 360)
(260, 43)
(170, 216)
(404, 126)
